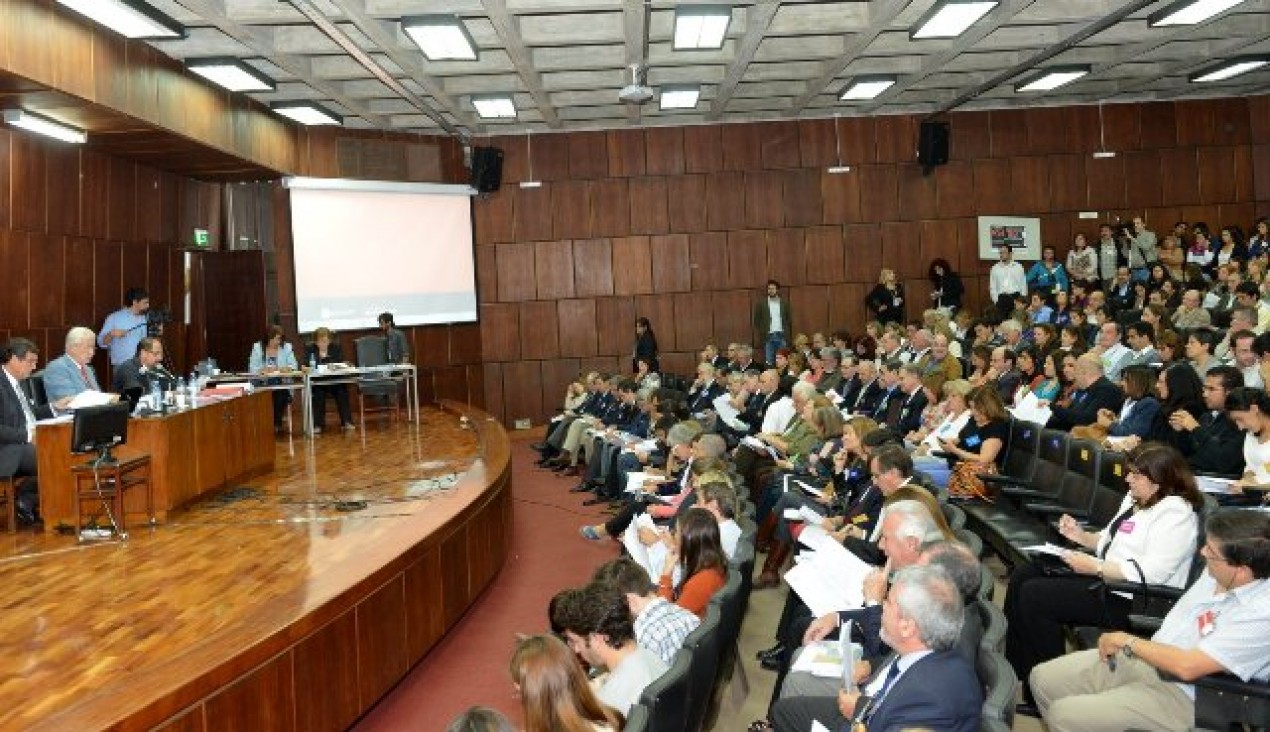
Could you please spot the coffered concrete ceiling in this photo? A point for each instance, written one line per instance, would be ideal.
(565, 60)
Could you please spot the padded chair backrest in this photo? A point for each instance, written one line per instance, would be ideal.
(955, 517)
(1025, 443)
(743, 564)
(372, 350)
(999, 685)
(994, 625)
(970, 539)
(637, 719)
(987, 583)
(667, 697)
(34, 388)
(731, 602)
(1113, 468)
(1081, 480)
(704, 644)
(1052, 465)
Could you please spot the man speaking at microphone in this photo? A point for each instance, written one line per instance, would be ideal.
(133, 377)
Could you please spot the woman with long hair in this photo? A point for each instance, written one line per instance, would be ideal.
(272, 355)
(1136, 415)
(1178, 389)
(1152, 540)
(946, 287)
(886, 300)
(696, 555)
(554, 692)
(1049, 384)
(956, 414)
(645, 346)
(1250, 410)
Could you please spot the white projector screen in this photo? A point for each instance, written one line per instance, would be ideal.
(367, 247)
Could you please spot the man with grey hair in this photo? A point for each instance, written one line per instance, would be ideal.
(72, 372)
(1191, 314)
(831, 378)
(925, 683)
(745, 358)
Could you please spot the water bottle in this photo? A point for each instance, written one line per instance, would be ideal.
(312, 363)
(156, 395)
(180, 392)
(194, 389)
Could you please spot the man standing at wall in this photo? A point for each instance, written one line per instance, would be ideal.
(125, 327)
(772, 321)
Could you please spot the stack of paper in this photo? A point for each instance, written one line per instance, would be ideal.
(830, 580)
(1029, 409)
(651, 558)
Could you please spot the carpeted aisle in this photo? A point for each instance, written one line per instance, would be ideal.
(469, 665)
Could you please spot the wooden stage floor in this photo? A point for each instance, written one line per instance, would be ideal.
(92, 633)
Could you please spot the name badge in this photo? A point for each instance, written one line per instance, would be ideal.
(896, 302)
(1126, 527)
(1207, 623)
(973, 441)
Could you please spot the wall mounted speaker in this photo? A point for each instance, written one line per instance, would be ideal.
(487, 169)
(932, 144)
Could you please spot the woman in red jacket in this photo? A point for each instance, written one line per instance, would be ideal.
(698, 555)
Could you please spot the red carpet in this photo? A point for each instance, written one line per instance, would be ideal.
(469, 665)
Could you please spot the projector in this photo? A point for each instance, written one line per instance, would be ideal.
(635, 92)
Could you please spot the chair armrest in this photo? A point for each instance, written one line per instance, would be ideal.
(1144, 624)
(1231, 684)
(1018, 492)
(1004, 480)
(1052, 509)
(1223, 476)
(1163, 592)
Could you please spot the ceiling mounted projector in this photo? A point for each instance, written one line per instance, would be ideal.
(635, 92)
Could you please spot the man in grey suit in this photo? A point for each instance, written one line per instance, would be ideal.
(71, 373)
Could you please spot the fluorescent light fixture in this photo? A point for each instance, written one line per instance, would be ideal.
(131, 18)
(680, 97)
(531, 184)
(230, 73)
(494, 106)
(838, 169)
(306, 113)
(1104, 154)
(44, 126)
(951, 18)
(865, 87)
(1229, 68)
(1190, 12)
(701, 26)
(1051, 78)
(440, 37)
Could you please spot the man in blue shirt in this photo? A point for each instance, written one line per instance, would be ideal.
(125, 327)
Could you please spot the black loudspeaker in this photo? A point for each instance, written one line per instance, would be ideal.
(932, 144)
(487, 169)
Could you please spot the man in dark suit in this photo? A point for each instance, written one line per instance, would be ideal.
(133, 377)
(1008, 375)
(704, 390)
(871, 392)
(911, 398)
(1093, 393)
(17, 425)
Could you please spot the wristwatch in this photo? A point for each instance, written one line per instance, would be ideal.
(1128, 649)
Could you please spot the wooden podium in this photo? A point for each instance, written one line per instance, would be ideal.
(192, 452)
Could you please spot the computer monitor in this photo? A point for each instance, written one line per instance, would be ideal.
(98, 429)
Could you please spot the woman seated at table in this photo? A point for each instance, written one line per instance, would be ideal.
(272, 355)
(323, 351)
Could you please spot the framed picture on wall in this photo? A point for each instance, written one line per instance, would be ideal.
(1021, 234)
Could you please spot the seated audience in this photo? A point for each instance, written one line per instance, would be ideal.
(697, 553)
(659, 625)
(1210, 440)
(18, 415)
(1250, 410)
(979, 448)
(1136, 415)
(480, 719)
(555, 695)
(1094, 391)
(957, 413)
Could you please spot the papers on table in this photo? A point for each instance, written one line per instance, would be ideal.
(829, 580)
(1029, 410)
(651, 558)
(1220, 486)
(727, 413)
(759, 446)
(91, 398)
(1047, 548)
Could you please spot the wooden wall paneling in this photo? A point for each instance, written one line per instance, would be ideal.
(465, 344)
(577, 327)
(550, 156)
(896, 139)
(150, 213)
(625, 153)
(708, 258)
(1051, 130)
(1121, 128)
(1009, 132)
(94, 199)
(539, 330)
(492, 381)
(493, 216)
(762, 207)
(326, 676)
(1056, 231)
(954, 189)
(779, 144)
(135, 268)
(1142, 179)
(192, 720)
(169, 204)
(649, 211)
(703, 149)
(742, 146)
(531, 212)
(455, 587)
(15, 263)
(682, 363)
(746, 253)
(516, 271)
(603, 365)
(901, 249)
(672, 271)
(431, 345)
(592, 267)
(664, 150)
(615, 325)
(570, 209)
(63, 189)
(846, 307)
(857, 136)
(840, 197)
(786, 257)
(108, 287)
(686, 203)
(501, 331)
(557, 374)
(486, 272)
(660, 311)
(800, 197)
(731, 312)
(862, 251)
(810, 306)
(6, 180)
(918, 193)
(938, 240)
(1196, 122)
(522, 391)
(588, 155)
(1242, 173)
(1180, 182)
(968, 242)
(143, 87)
(1067, 183)
(121, 223)
(879, 193)
(1207, 213)
(825, 255)
(992, 187)
(475, 386)
(1238, 214)
(425, 623)
(610, 208)
(449, 382)
(632, 265)
(725, 201)
(1261, 172)
(816, 148)
(970, 135)
(1030, 182)
(917, 291)
(263, 699)
(694, 321)
(29, 189)
(1106, 178)
(158, 277)
(1158, 125)
(79, 283)
(1258, 119)
(1216, 174)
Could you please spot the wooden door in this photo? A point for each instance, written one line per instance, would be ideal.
(230, 307)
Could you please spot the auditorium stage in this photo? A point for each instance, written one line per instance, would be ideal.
(282, 603)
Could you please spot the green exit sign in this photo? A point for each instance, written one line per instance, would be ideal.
(201, 239)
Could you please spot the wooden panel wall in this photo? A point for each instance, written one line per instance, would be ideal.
(685, 225)
(78, 228)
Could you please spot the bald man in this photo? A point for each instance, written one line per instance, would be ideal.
(1094, 391)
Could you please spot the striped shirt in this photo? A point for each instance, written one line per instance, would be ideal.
(662, 627)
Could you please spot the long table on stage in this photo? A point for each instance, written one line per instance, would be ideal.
(192, 452)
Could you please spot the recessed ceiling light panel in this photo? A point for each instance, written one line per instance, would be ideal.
(1051, 78)
(701, 26)
(494, 106)
(1190, 12)
(951, 18)
(440, 37)
(865, 87)
(306, 113)
(44, 126)
(230, 73)
(1229, 68)
(130, 18)
(680, 97)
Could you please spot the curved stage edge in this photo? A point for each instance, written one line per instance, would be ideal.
(318, 662)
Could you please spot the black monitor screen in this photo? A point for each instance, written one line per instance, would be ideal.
(97, 429)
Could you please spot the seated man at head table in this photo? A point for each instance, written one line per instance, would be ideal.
(134, 377)
(72, 373)
(18, 415)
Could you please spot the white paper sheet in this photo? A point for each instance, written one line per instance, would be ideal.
(727, 412)
(1047, 548)
(635, 481)
(1220, 486)
(91, 398)
(831, 580)
(813, 536)
(651, 558)
(1030, 410)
